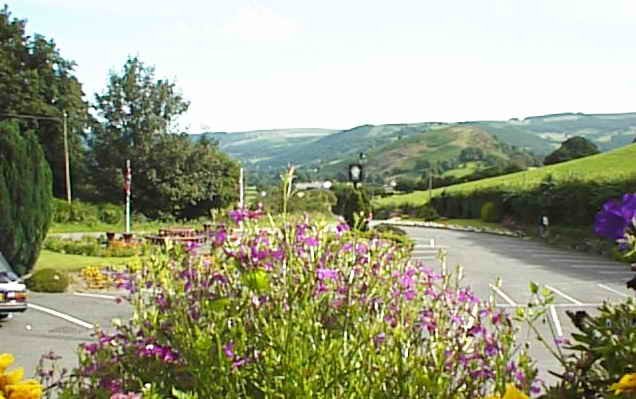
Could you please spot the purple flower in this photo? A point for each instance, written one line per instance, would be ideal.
(327, 274)
(311, 241)
(379, 339)
(615, 217)
(228, 349)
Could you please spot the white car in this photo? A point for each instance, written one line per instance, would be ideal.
(13, 296)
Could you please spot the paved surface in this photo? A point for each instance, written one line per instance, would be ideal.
(30, 334)
(579, 281)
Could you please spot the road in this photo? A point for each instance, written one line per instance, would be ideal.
(578, 280)
(58, 323)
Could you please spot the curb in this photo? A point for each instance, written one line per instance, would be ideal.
(452, 227)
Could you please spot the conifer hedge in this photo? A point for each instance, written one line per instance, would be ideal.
(25, 196)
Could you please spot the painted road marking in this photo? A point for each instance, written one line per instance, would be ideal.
(556, 305)
(503, 295)
(610, 289)
(62, 316)
(566, 296)
(555, 321)
(99, 296)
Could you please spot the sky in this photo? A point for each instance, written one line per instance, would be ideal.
(247, 65)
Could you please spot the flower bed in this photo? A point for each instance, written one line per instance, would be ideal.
(299, 311)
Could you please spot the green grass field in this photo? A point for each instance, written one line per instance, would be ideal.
(611, 166)
(73, 263)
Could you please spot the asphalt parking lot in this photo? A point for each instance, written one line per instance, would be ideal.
(579, 281)
(59, 322)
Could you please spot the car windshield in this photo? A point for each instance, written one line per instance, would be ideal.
(6, 274)
(7, 277)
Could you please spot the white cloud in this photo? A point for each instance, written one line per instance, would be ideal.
(260, 23)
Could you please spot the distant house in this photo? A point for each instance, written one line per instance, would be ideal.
(314, 185)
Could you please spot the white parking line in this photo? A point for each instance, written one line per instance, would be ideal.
(503, 295)
(556, 305)
(99, 296)
(555, 321)
(610, 289)
(62, 316)
(566, 296)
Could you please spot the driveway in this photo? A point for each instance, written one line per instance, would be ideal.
(579, 281)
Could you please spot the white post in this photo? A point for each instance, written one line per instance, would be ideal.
(241, 190)
(128, 187)
(66, 162)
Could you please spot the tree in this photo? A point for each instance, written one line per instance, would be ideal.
(172, 175)
(37, 80)
(25, 196)
(572, 148)
(183, 179)
(134, 109)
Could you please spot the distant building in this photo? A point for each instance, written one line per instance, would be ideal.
(314, 185)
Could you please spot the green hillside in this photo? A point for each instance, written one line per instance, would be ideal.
(397, 150)
(414, 155)
(616, 165)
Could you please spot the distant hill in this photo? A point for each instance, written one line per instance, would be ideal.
(615, 165)
(397, 149)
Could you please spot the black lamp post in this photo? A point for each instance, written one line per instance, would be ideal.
(356, 171)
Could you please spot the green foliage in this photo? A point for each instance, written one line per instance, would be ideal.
(171, 174)
(48, 280)
(599, 353)
(37, 80)
(572, 148)
(489, 212)
(319, 201)
(623, 256)
(309, 314)
(25, 197)
(423, 212)
(570, 202)
(611, 168)
(352, 204)
(89, 246)
(85, 213)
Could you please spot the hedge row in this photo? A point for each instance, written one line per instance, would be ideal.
(573, 202)
(82, 212)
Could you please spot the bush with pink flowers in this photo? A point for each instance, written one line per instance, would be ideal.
(301, 311)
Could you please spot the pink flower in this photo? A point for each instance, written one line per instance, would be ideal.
(327, 274)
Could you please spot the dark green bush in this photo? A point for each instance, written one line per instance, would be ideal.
(490, 212)
(424, 212)
(48, 280)
(89, 246)
(85, 213)
(25, 197)
(352, 204)
(572, 202)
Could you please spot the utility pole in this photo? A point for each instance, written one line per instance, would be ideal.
(64, 121)
(128, 185)
(66, 161)
(241, 190)
(430, 186)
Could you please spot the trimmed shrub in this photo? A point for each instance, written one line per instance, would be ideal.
(48, 280)
(490, 212)
(25, 197)
(82, 212)
(352, 204)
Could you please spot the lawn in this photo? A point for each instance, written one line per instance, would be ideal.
(147, 227)
(616, 165)
(72, 263)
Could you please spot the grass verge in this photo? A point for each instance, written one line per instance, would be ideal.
(73, 263)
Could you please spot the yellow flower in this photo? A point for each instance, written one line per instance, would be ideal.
(11, 378)
(511, 393)
(28, 389)
(6, 360)
(627, 383)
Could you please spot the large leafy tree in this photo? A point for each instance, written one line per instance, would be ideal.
(25, 196)
(36, 80)
(171, 174)
(572, 148)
